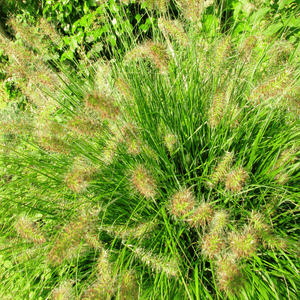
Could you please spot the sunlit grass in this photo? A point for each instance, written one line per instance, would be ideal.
(171, 173)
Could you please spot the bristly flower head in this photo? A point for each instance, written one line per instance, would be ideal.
(85, 126)
(257, 222)
(202, 215)
(128, 288)
(217, 109)
(156, 52)
(26, 229)
(243, 244)
(158, 263)
(79, 177)
(182, 203)
(212, 244)
(175, 29)
(219, 221)
(63, 291)
(229, 276)
(102, 104)
(222, 52)
(143, 182)
(139, 232)
(222, 168)
(236, 179)
(247, 47)
(170, 141)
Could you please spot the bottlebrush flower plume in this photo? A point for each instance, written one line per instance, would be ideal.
(175, 29)
(154, 51)
(221, 170)
(212, 244)
(158, 263)
(236, 179)
(26, 229)
(229, 275)
(219, 221)
(243, 244)
(182, 203)
(201, 216)
(128, 288)
(143, 182)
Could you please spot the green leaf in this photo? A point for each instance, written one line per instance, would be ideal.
(83, 21)
(97, 33)
(126, 26)
(67, 55)
(291, 21)
(144, 27)
(112, 40)
(283, 3)
(257, 16)
(138, 17)
(273, 29)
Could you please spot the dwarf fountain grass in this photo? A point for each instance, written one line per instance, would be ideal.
(26, 229)
(243, 243)
(63, 291)
(182, 203)
(212, 244)
(236, 179)
(143, 182)
(202, 215)
(167, 132)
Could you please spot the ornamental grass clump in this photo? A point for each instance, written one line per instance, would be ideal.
(147, 175)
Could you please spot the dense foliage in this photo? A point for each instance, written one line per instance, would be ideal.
(150, 150)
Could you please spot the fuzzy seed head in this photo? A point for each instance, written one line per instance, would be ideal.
(63, 291)
(140, 231)
(275, 242)
(201, 216)
(222, 168)
(102, 104)
(243, 244)
(247, 47)
(109, 152)
(276, 86)
(219, 221)
(175, 29)
(229, 275)
(26, 229)
(124, 89)
(257, 222)
(68, 243)
(158, 263)
(222, 52)
(155, 52)
(217, 109)
(79, 177)
(182, 203)
(236, 179)
(129, 288)
(212, 244)
(85, 126)
(143, 182)
(170, 142)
